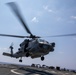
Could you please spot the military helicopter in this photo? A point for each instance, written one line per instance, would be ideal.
(33, 46)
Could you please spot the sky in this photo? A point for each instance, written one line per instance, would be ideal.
(44, 18)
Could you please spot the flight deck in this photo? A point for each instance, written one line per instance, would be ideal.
(28, 70)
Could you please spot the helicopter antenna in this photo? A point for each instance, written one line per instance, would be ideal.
(11, 48)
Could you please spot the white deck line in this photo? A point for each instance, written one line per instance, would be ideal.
(13, 71)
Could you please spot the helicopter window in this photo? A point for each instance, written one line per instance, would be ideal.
(46, 46)
(42, 41)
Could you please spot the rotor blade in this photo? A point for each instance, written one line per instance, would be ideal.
(74, 34)
(17, 36)
(18, 14)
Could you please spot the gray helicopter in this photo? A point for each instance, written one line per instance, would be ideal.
(33, 46)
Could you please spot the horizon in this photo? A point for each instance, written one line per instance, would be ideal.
(7, 63)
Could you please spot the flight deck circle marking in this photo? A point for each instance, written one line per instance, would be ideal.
(13, 71)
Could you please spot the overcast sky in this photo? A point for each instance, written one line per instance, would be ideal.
(44, 18)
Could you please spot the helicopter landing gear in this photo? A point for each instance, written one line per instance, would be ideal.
(42, 58)
(27, 54)
(20, 60)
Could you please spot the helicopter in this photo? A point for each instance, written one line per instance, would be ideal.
(33, 46)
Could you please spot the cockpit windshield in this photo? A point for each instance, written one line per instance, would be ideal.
(42, 41)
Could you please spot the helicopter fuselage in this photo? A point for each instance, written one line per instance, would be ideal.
(35, 48)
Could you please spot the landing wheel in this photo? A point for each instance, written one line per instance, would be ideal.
(27, 54)
(42, 58)
(20, 60)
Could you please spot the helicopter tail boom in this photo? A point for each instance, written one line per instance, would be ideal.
(7, 54)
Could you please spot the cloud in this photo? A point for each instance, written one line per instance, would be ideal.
(48, 9)
(73, 17)
(34, 19)
(45, 7)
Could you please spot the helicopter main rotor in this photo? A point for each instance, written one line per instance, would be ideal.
(17, 12)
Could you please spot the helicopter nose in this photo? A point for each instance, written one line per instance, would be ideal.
(44, 46)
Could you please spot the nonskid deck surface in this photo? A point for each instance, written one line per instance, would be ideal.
(18, 70)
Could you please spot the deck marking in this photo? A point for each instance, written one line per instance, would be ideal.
(13, 71)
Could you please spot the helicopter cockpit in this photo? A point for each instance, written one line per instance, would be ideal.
(42, 41)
